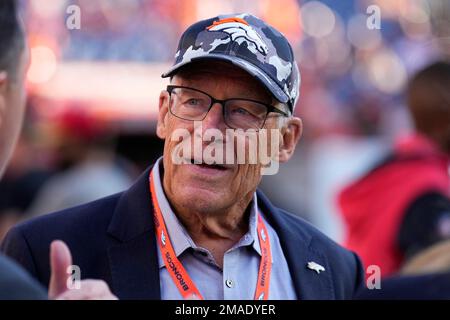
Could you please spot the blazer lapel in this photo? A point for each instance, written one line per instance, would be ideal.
(298, 248)
(132, 247)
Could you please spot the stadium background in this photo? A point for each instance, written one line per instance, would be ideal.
(93, 95)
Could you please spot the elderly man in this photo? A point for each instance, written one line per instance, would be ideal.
(194, 225)
(15, 283)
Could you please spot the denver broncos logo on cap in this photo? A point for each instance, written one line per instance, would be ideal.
(239, 30)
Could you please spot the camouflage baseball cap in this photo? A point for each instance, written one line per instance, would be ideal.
(247, 42)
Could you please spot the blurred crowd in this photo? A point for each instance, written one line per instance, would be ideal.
(352, 99)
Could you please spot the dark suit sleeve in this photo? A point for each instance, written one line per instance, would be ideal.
(16, 284)
(420, 287)
(426, 222)
(16, 246)
(360, 275)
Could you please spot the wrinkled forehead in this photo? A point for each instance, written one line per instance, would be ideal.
(202, 74)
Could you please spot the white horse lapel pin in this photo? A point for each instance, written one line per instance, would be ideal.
(315, 267)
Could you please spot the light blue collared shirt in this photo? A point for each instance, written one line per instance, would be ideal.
(237, 280)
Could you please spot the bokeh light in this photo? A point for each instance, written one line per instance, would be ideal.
(360, 36)
(43, 65)
(47, 9)
(387, 72)
(318, 19)
(415, 20)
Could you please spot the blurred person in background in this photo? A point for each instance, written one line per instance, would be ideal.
(200, 223)
(15, 283)
(434, 259)
(402, 206)
(21, 182)
(89, 169)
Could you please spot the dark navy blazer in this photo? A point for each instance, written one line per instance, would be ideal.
(434, 286)
(16, 284)
(114, 239)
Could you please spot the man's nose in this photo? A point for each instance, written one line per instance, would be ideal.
(214, 119)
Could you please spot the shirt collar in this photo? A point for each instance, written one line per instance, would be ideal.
(180, 238)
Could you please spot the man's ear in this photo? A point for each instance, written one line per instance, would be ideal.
(290, 135)
(161, 128)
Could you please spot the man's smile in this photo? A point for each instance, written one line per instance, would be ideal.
(201, 168)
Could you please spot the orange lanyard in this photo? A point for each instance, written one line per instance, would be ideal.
(178, 273)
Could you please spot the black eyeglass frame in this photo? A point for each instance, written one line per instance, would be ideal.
(270, 108)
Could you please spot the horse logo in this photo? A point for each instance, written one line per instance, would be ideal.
(163, 238)
(239, 30)
(315, 266)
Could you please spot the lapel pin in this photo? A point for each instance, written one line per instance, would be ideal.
(315, 266)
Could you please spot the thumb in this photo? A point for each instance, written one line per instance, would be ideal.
(60, 260)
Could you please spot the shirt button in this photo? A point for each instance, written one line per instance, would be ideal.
(229, 283)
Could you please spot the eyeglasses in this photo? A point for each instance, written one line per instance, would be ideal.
(192, 104)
